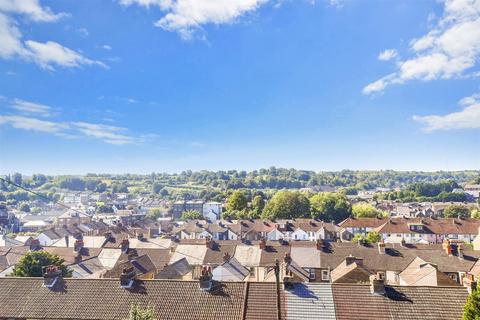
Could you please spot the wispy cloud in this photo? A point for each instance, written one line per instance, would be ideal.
(33, 124)
(106, 133)
(31, 107)
(468, 118)
(387, 54)
(27, 119)
(188, 16)
(51, 53)
(47, 55)
(447, 51)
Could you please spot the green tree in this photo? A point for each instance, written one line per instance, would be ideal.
(24, 207)
(471, 310)
(154, 213)
(237, 201)
(191, 215)
(475, 214)
(456, 210)
(31, 264)
(330, 206)
(373, 237)
(258, 204)
(287, 205)
(138, 313)
(365, 210)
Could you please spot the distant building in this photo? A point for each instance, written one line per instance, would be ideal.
(180, 207)
(473, 190)
(212, 210)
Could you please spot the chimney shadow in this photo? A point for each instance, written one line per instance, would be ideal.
(218, 289)
(393, 252)
(395, 295)
(138, 287)
(302, 291)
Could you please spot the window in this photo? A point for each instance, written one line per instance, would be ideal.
(311, 274)
(453, 276)
(381, 275)
(325, 275)
(252, 272)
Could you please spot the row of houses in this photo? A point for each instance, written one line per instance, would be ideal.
(320, 261)
(392, 230)
(413, 230)
(55, 297)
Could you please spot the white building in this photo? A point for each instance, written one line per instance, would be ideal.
(212, 210)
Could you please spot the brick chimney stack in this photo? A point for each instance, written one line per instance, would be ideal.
(381, 247)
(209, 242)
(319, 244)
(460, 253)
(377, 286)
(125, 245)
(226, 257)
(262, 244)
(77, 247)
(127, 278)
(51, 274)
(447, 247)
(34, 245)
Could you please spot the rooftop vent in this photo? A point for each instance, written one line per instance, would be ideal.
(51, 274)
(127, 278)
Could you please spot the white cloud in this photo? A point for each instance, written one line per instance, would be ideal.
(10, 44)
(83, 32)
(187, 16)
(387, 55)
(28, 123)
(47, 54)
(106, 47)
(106, 133)
(468, 118)
(52, 53)
(447, 51)
(31, 107)
(30, 8)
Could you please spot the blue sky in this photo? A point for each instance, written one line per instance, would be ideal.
(169, 85)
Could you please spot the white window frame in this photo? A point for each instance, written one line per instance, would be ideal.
(325, 275)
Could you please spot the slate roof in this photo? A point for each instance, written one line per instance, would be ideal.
(103, 299)
(355, 302)
(142, 265)
(396, 258)
(261, 301)
(309, 301)
(175, 270)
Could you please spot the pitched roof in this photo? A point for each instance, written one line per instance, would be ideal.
(305, 301)
(104, 299)
(362, 222)
(175, 270)
(142, 265)
(420, 272)
(355, 302)
(261, 301)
